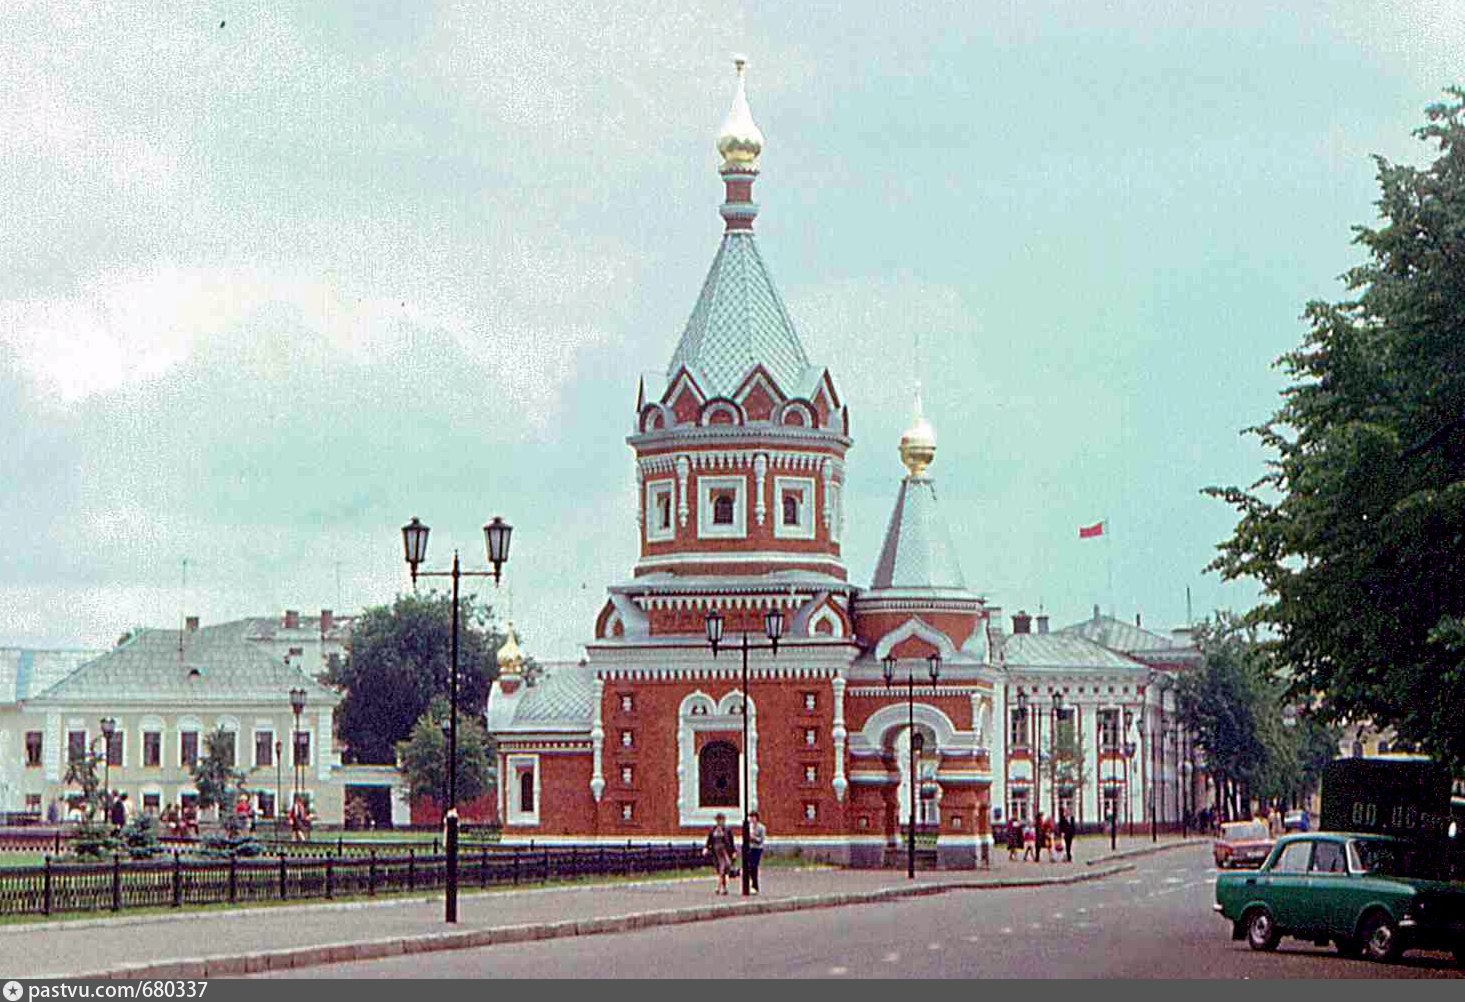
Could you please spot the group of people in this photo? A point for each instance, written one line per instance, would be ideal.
(722, 850)
(1032, 837)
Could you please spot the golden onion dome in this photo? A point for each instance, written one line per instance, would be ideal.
(918, 444)
(740, 141)
(511, 658)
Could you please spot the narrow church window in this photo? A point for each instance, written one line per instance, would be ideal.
(722, 508)
(33, 748)
(663, 511)
(790, 508)
(526, 791)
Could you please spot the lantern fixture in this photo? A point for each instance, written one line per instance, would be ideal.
(496, 534)
(414, 545)
(714, 629)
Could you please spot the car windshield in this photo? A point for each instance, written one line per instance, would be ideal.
(1246, 831)
(1394, 859)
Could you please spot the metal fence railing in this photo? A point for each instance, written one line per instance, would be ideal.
(177, 880)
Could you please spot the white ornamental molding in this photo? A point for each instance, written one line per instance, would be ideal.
(640, 494)
(597, 743)
(683, 469)
(840, 734)
(760, 475)
(826, 471)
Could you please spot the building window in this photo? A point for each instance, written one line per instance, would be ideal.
(811, 811)
(114, 748)
(33, 804)
(1109, 730)
(811, 737)
(659, 501)
(810, 701)
(34, 747)
(1017, 731)
(1017, 806)
(302, 748)
(721, 508)
(717, 775)
(521, 796)
(187, 748)
(152, 749)
(75, 746)
(152, 803)
(795, 498)
(1066, 723)
(266, 804)
(628, 776)
(526, 792)
(627, 703)
(811, 774)
(628, 739)
(628, 811)
(264, 749)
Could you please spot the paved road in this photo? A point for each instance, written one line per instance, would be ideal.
(1153, 922)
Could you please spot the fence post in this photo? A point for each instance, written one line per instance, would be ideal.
(411, 870)
(482, 866)
(58, 841)
(339, 845)
(371, 876)
(282, 876)
(116, 882)
(330, 877)
(177, 881)
(516, 866)
(46, 889)
(233, 877)
(435, 850)
(546, 865)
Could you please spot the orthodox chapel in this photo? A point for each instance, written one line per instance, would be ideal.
(740, 462)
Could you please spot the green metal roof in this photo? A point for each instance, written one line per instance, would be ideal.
(217, 664)
(918, 551)
(740, 322)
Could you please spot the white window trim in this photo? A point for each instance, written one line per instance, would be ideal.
(804, 486)
(655, 489)
(513, 766)
(739, 527)
(689, 773)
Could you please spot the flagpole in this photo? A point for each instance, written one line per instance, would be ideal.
(1109, 561)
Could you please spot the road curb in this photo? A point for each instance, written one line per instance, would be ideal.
(234, 965)
(1147, 850)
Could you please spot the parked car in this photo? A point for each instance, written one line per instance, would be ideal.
(1367, 894)
(1242, 843)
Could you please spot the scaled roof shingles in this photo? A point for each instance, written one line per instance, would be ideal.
(918, 551)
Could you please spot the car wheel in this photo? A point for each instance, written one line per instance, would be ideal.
(1261, 930)
(1348, 946)
(1380, 938)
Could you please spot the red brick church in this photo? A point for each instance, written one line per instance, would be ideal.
(740, 468)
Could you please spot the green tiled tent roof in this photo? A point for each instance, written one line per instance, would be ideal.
(147, 669)
(740, 322)
(918, 551)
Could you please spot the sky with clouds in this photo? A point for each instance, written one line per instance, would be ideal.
(275, 277)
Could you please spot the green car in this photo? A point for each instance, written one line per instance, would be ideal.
(1369, 894)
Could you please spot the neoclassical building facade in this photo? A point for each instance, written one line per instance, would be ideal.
(740, 466)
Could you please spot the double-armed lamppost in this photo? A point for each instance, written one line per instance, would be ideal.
(279, 785)
(297, 771)
(773, 630)
(109, 729)
(933, 668)
(414, 543)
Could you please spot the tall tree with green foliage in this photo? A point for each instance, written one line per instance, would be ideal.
(399, 661)
(214, 775)
(423, 757)
(1357, 532)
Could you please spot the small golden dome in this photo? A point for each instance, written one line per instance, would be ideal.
(740, 141)
(511, 658)
(918, 444)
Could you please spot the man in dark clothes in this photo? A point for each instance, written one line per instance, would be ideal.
(1066, 830)
(119, 812)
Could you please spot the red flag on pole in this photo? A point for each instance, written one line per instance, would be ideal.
(1090, 531)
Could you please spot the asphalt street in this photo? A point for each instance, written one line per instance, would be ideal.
(1153, 922)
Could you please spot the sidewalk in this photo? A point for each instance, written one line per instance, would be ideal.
(219, 942)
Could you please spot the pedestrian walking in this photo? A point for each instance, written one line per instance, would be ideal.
(117, 814)
(720, 847)
(55, 811)
(757, 833)
(299, 820)
(1066, 831)
(1013, 834)
(1029, 841)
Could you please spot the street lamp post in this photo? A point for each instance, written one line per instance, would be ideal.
(414, 544)
(297, 774)
(1053, 757)
(933, 668)
(279, 785)
(1114, 796)
(773, 630)
(109, 728)
(1128, 759)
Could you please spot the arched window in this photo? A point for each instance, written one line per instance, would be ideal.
(722, 509)
(717, 770)
(526, 791)
(790, 509)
